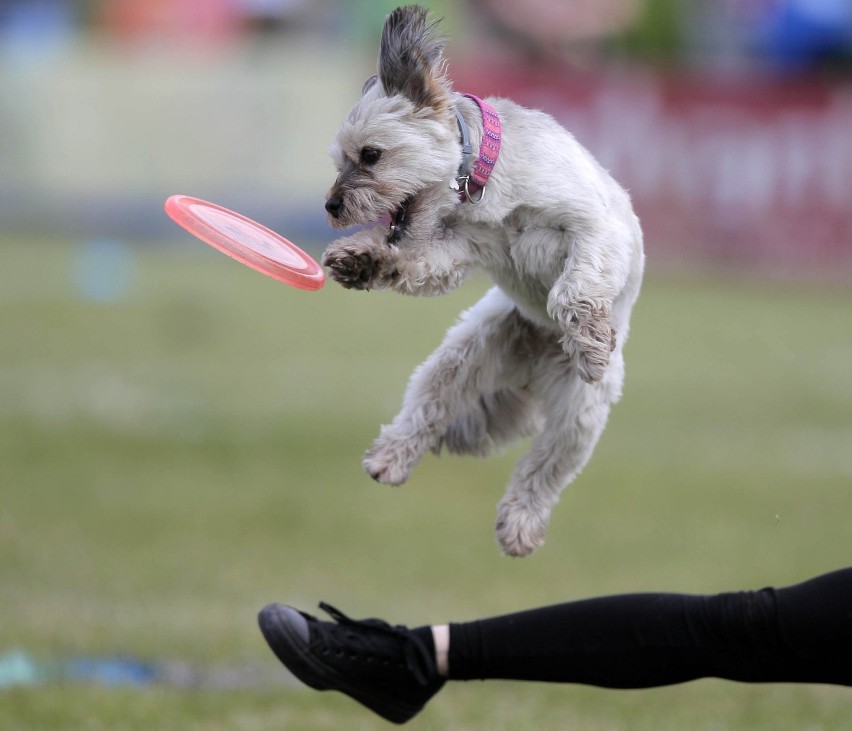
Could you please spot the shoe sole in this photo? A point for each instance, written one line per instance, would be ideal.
(292, 650)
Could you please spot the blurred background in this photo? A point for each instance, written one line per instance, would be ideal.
(180, 437)
(727, 120)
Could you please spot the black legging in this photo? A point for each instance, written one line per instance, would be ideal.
(801, 633)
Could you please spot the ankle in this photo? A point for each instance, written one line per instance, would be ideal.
(441, 639)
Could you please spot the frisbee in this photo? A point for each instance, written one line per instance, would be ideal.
(246, 241)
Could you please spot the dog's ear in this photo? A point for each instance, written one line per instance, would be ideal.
(411, 59)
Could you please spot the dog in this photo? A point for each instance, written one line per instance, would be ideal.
(452, 184)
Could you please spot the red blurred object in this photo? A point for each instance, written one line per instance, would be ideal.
(725, 169)
(205, 21)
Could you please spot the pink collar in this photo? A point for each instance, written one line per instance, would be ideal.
(470, 182)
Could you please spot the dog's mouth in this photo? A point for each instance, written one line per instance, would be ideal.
(398, 221)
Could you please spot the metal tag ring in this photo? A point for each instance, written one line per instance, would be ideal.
(471, 200)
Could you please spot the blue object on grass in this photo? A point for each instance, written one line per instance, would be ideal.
(110, 671)
(18, 668)
(103, 269)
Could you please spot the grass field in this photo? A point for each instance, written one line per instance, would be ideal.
(175, 459)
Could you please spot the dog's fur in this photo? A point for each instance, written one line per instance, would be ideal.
(540, 354)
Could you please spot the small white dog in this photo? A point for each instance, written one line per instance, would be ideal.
(452, 184)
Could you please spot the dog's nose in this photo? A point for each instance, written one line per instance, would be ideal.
(333, 205)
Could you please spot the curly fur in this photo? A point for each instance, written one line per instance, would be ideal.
(540, 354)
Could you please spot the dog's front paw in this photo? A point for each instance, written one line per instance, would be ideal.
(358, 262)
(521, 526)
(589, 339)
(352, 270)
(390, 462)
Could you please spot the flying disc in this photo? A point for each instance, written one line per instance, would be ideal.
(247, 241)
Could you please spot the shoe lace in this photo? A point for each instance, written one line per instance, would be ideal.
(417, 658)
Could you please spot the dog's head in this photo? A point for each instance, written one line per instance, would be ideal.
(398, 148)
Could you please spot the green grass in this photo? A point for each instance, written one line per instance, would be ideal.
(172, 461)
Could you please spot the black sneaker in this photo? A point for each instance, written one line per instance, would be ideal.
(388, 669)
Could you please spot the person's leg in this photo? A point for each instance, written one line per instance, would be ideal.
(801, 633)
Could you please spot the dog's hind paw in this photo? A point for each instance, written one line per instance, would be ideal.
(520, 528)
(388, 462)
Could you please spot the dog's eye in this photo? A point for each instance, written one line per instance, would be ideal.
(370, 155)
